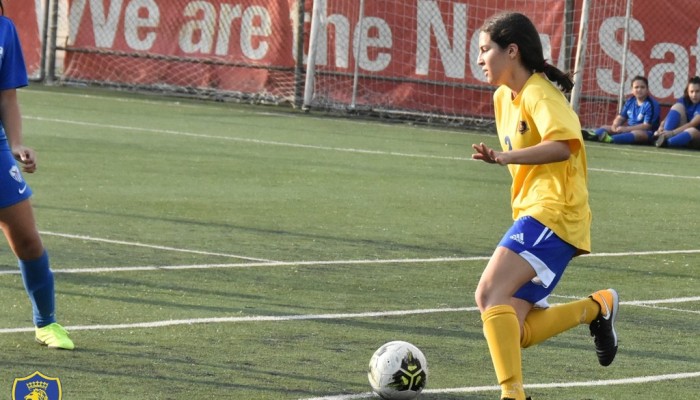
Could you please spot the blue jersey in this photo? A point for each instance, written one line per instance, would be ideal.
(13, 72)
(649, 112)
(691, 110)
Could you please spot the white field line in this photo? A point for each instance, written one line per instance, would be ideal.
(209, 105)
(554, 385)
(644, 173)
(246, 140)
(286, 318)
(260, 318)
(151, 246)
(258, 262)
(314, 147)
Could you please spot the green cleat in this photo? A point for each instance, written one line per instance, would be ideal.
(588, 135)
(605, 138)
(54, 336)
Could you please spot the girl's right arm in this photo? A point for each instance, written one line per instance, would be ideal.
(12, 122)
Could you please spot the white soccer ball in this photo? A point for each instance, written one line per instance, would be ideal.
(398, 371)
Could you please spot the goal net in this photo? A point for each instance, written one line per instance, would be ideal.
(419, 58)
(403, 59)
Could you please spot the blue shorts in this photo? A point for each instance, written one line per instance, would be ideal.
(13, 187)
(544, 251)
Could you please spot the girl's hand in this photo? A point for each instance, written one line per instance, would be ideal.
(26, 157)
(486, 154)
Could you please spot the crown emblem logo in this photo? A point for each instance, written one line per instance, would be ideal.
(38, 385)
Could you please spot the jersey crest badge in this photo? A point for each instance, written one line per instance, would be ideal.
(522, 127)
(36, 386)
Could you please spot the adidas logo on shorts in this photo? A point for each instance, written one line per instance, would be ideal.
(518, 237)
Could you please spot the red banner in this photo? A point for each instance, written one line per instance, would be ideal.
(201, 44)
(28, 20)
(429, 47)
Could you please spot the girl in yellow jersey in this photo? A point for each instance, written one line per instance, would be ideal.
(542, 147)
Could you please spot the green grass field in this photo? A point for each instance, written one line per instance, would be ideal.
(218, 251)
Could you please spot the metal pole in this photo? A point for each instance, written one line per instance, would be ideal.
(356, 54)
(625, 46)
(52, 39)
(580, 56)
(299, 51)
(318, 13)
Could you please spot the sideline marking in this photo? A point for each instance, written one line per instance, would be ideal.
(264, 263)
(260, 318)
(248, 140)
(151, 246)
(195, 104)
(473, 389)
(314, 147)
(296, 317)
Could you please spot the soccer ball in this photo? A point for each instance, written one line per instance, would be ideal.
(398, 371)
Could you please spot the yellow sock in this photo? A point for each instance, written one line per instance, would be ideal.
(502, 333)
(542, 324)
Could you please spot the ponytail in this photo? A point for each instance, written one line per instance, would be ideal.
(554, 74)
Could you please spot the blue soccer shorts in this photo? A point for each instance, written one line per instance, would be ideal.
(544, 251)
(13, 187)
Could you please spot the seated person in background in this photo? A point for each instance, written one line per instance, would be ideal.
(637, 121)
(680, 127)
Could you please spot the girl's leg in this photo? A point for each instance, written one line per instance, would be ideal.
(675, 118)
(544, 323)
(19, 226)
(504, 274)
(599, 311)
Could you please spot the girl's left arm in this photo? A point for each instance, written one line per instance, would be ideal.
(546, 152)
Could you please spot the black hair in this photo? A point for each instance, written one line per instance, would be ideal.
(640, 78)
(2, 9)
(515, 28)
(692, 81)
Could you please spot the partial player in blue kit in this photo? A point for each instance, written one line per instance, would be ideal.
(681, 128)
(16, 213)
(637, 121)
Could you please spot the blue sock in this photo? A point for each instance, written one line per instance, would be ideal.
(38, 281)
(673, 120)
(624, 138)
(600, 131)
(680, 140)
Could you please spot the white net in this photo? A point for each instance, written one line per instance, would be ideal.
(420, 58)
(406, 59)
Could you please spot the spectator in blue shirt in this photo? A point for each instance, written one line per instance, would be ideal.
(637, 121)
(682, 124)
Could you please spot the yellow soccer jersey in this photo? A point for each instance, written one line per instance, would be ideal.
(555, 194)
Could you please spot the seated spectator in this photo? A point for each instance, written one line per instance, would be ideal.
(639, 118)
(680, 128)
